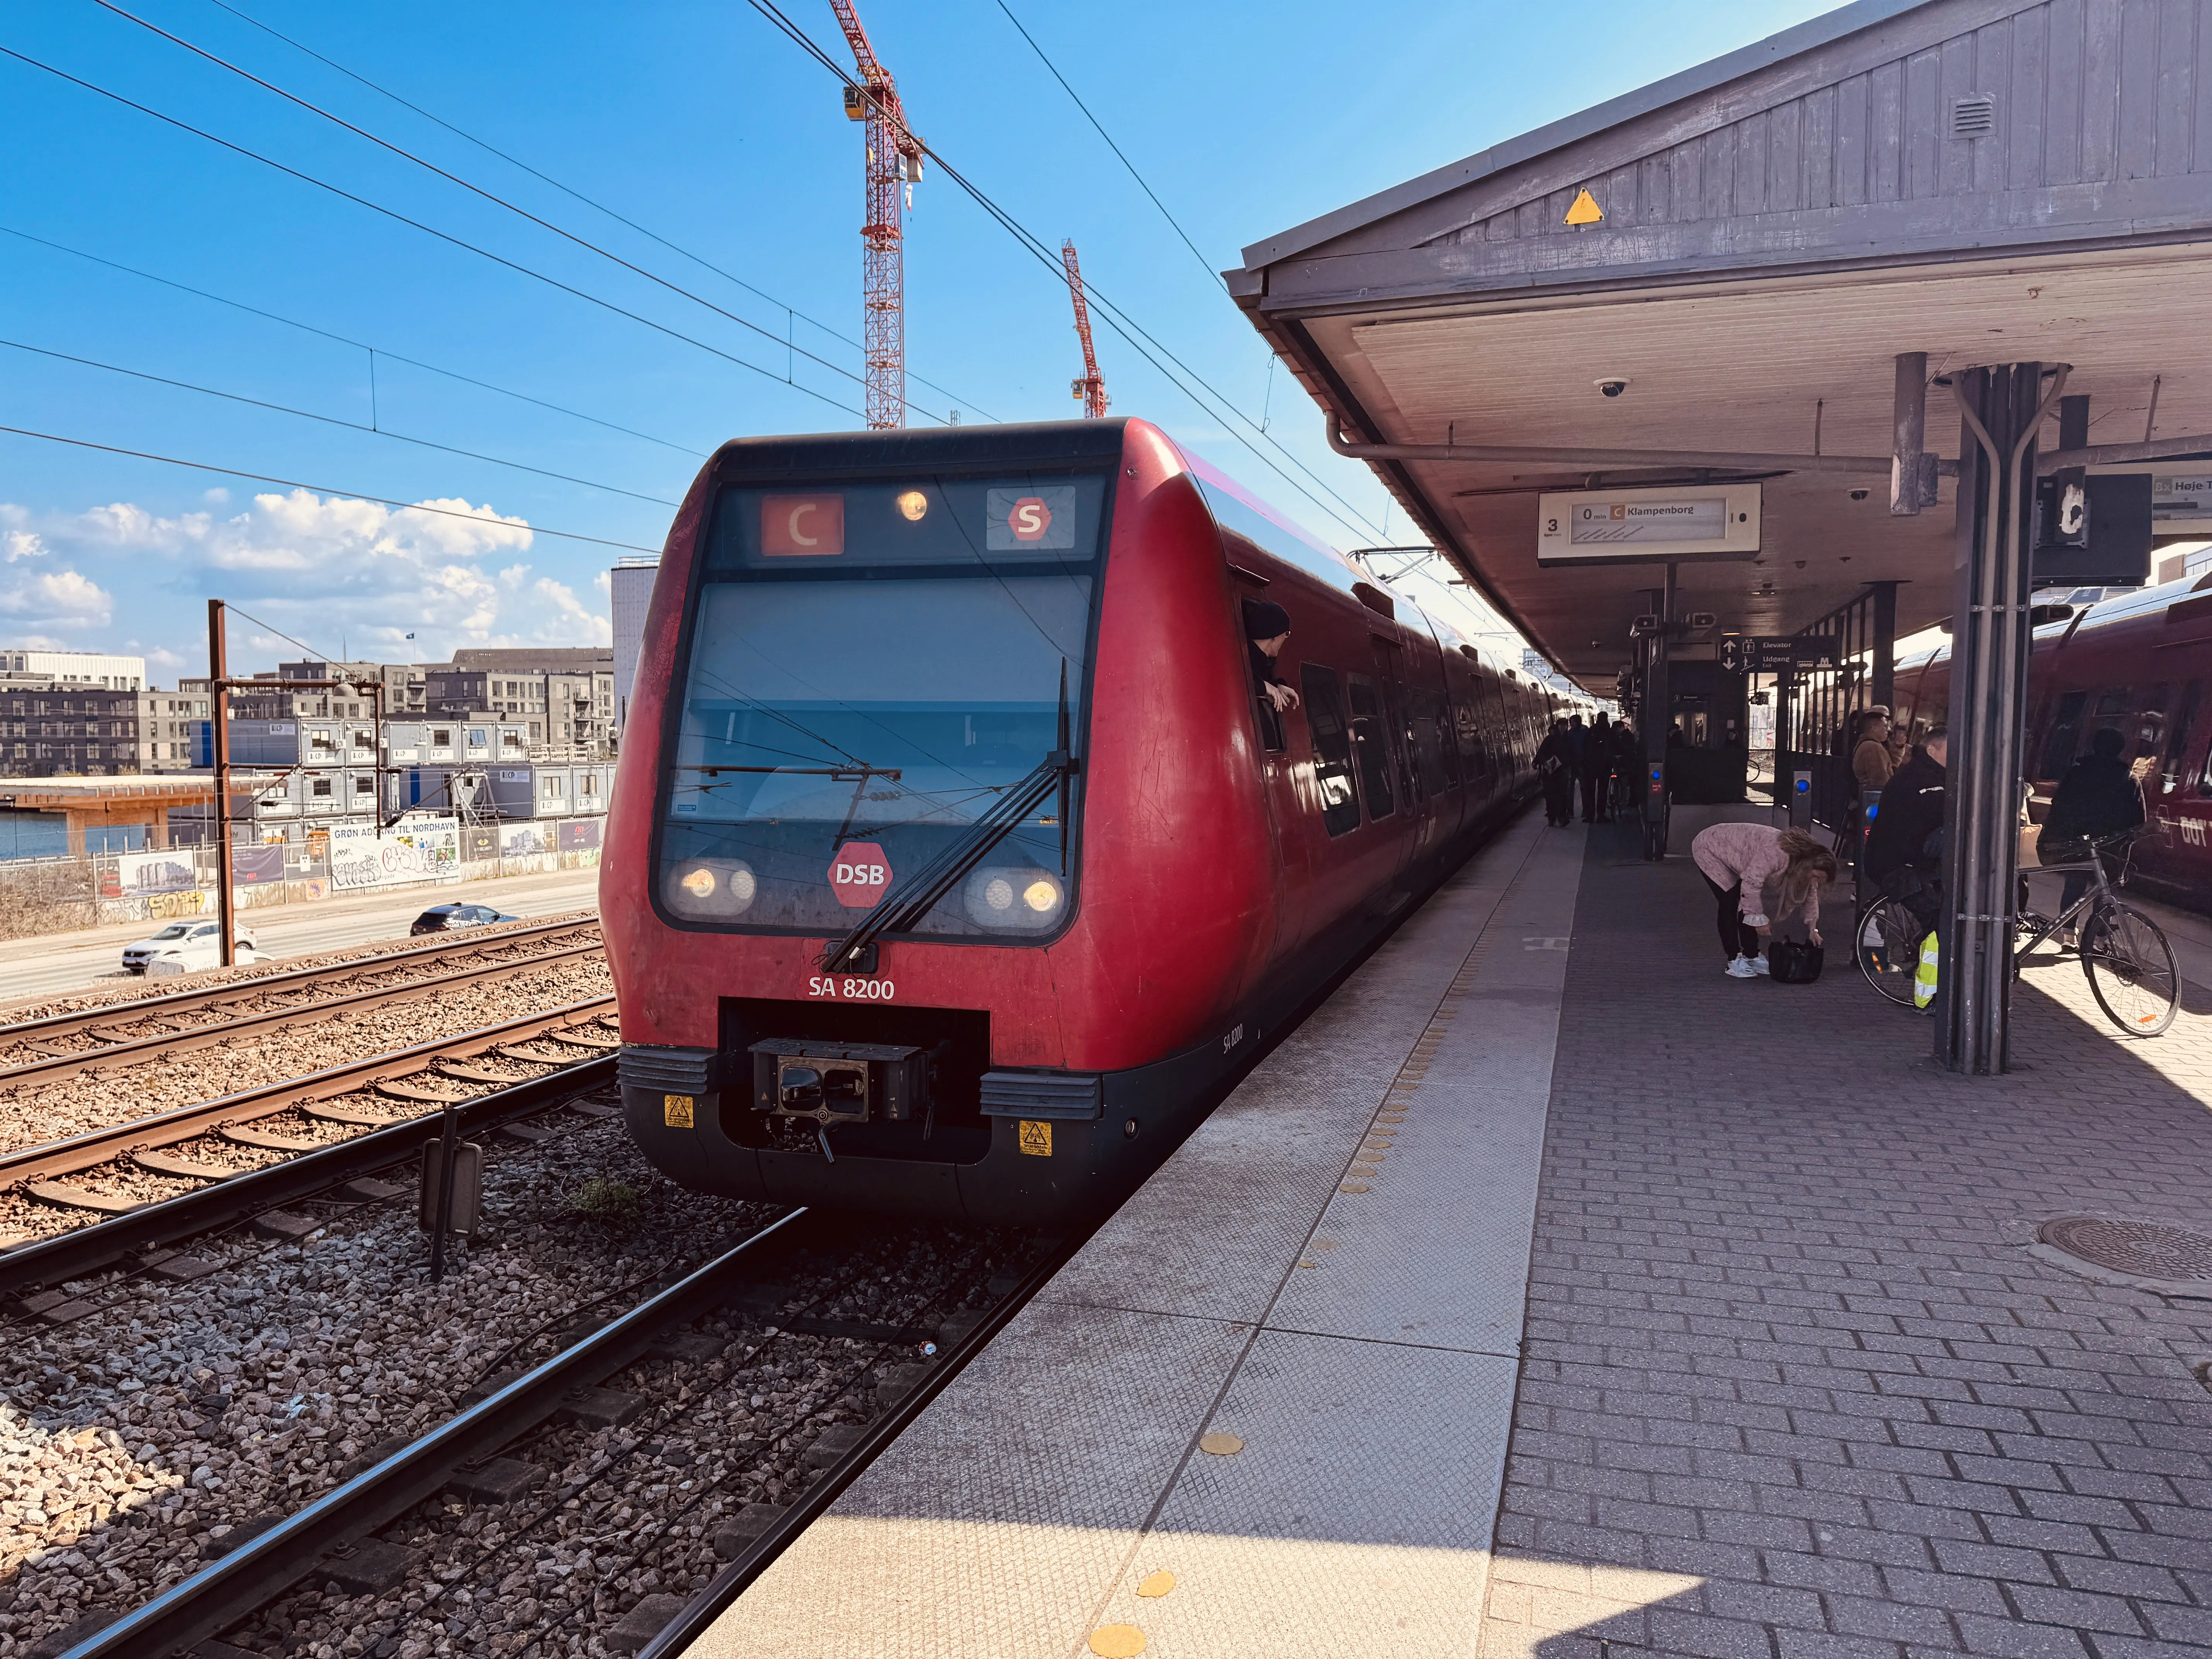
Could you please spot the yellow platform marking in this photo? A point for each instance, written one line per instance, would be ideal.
(1158, 1584)
(1037, 1142)
(676, 1111)
(1585, 211)
(1117, 1641)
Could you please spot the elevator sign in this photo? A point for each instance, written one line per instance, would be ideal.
(1647, 526)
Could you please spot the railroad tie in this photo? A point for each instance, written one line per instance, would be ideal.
(169, 1164)
(78, 1198)
(323, 1111)
(248, 1137)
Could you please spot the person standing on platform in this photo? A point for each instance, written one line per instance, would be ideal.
(1872, 761)
(1905, 850)
(1556, 770)
(2099, 796)
(1597, 772)
(1738, 861)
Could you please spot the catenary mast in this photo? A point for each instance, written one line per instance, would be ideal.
(894, 162)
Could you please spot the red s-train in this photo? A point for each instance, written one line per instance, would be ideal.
(2138, 664)
(953, 859)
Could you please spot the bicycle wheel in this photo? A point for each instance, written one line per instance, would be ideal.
(1888, 946)
(2132, 969)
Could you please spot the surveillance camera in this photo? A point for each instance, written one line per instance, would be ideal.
(1858, 495)
(1614, 385)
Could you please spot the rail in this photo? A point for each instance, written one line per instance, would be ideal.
(133, 1051)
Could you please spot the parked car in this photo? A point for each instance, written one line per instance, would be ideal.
(451, 918)
(185, 947)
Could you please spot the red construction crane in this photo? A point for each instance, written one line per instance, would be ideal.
(893, 160)
(1090, 389)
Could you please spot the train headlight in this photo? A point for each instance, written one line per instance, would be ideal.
(1016, 901)
(710, 889)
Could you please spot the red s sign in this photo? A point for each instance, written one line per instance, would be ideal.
(1030, 518)
(802, 526)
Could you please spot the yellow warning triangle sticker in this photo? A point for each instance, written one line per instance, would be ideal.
(1585, 211)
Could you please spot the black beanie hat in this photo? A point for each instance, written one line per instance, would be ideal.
(1264, 619)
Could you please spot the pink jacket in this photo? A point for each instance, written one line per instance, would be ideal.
(1750, 853)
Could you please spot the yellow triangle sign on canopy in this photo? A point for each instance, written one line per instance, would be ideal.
(1585, 211)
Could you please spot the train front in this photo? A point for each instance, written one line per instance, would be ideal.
(850, 827)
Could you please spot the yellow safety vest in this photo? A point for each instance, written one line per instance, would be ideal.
(1923, 977)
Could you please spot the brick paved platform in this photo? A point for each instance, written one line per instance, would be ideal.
(1791, 1385)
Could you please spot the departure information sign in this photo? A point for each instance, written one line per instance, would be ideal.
(1647, 526)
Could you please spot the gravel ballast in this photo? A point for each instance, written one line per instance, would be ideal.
(135, 1439)
(33, 1113)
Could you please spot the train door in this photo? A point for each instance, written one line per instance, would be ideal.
(1371, 746)
(2177, 794)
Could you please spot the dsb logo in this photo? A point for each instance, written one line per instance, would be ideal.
(859, 875)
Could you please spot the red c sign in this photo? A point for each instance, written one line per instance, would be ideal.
(859, 875)
(801, 526)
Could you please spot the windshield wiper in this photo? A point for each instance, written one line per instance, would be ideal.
(909, 901)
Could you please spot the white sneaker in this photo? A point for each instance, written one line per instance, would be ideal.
(1741, 968)
(1759, 966)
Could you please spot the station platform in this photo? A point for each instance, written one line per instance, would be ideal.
(1550, 1293)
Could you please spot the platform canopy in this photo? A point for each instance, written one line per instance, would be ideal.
(1750, 246)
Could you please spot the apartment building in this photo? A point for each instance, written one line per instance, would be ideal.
(58, 728)
(168, 723)
(563, 696)
(76, 668)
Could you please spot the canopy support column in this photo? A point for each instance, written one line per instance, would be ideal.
(2001, 409)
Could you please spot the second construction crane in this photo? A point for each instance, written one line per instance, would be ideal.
(894, 162)
(1090, 388)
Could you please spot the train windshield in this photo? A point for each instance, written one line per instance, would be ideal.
(872, 668)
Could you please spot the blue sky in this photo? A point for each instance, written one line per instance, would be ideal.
(698, 122)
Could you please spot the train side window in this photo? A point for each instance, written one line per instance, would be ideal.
(1271, 721)
(2178, 730)
(1371, 747)
(1332, 742)
(2059, 742)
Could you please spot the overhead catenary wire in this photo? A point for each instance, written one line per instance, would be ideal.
(332, 420)
(1203, 263)
(495, 199)
(1132, 332)
(319, 656)
(359, 345)
(494, 522)
(432, 230)
(678, 248)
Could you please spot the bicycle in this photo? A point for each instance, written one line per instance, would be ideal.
(2130, 965)
(1887, 944)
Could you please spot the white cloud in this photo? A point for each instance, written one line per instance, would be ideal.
(61, 597)
(335, 572)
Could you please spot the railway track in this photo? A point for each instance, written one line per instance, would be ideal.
(60, 1046)
(358, 1117)
(481, 1450)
